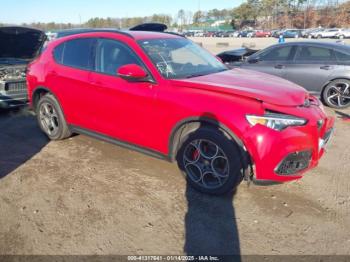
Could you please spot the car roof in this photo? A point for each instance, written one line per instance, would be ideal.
(337, 46)
(137, 35)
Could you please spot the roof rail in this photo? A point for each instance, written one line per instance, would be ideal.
(76, 31)
(173, 33)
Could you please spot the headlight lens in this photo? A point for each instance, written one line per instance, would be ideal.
(276, 121)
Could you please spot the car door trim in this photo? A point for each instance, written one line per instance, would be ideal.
(127, 145)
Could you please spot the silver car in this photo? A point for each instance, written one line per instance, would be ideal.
(321, 68)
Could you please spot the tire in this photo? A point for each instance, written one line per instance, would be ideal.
(341, 37)
(51, 119)
(206, 169)
(319, 37)
(337, 94)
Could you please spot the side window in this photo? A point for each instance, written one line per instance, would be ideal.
(111, 55)
(314, 54)
(277, 54)
(58, 53)
(342, 57)
(76, 53)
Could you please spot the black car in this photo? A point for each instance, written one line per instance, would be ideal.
(321, 68)
(18, 46)
(236, 55)
(246, 33)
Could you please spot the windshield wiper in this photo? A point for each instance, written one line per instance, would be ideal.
(195, 75)
(207, 73)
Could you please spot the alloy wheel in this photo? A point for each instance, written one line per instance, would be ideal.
(206, 164)
(49, 118)
(339, 94)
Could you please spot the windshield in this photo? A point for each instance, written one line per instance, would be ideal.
(181, 58)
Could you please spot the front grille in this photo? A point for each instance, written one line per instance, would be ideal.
(15, 87)
(294, 163)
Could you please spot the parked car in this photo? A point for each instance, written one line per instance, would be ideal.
(321, 68)
(262, 33)
(292, 33)
(164, 95)
(326, 33)
(189, 34)
(209, 34)
(218, 33)
(345, 33)
(306, 33)
(18, 46)
(246, 33)
(276, 33)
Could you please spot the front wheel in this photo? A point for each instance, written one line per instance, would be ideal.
(211, 162)
(51, 119)
(337, 94)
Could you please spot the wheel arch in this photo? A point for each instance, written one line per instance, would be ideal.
(40, 91)
(189, 125)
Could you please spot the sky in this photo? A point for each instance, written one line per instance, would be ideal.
(74, 11)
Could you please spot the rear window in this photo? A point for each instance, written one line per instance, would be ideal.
(76, 53)
(315, 54)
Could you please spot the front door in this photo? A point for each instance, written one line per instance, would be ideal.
(121, 109)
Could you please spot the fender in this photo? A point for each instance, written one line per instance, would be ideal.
(173, 140)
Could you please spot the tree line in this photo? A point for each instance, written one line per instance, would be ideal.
(265, 14)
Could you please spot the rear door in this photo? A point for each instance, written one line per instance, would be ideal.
(273, 61)
(69, 78)
(311, 67)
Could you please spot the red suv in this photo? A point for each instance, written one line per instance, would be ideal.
(164, 95)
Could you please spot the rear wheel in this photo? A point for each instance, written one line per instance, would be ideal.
(51, 119)
(210, 161)
(337, 94)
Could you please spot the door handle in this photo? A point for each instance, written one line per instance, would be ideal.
(326, 67)
(279, 66)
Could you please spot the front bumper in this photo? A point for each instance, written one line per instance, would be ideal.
(13, 93)
(286, 155)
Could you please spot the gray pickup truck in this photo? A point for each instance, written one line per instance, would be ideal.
(18, 46)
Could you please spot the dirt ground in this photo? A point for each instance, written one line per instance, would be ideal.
(82, 196)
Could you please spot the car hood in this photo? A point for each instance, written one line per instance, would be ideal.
(252, 84)
(20, 42)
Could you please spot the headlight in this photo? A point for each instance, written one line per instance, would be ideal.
(276, 121)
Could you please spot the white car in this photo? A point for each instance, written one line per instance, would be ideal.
(345, 33)
(327, 33)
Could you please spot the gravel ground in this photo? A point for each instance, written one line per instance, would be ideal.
(82, 196)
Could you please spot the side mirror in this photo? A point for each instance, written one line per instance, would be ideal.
(253, 60)
(132, 72)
